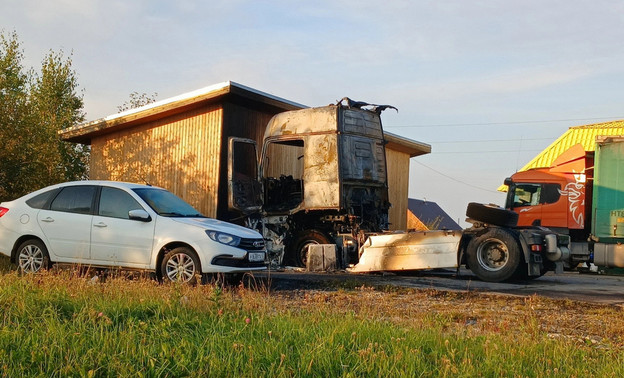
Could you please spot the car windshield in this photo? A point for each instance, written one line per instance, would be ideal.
(166, 203)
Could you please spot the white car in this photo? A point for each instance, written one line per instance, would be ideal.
(115, 224)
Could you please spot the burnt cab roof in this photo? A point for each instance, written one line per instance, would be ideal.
(325, 119)
(332, 118)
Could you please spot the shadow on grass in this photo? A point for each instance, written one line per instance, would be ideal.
(5, 264)
(95, 275)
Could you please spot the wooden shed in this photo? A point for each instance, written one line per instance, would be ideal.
(180, 144)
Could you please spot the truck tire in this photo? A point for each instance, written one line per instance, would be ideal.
(303, 241)
(494, 256)
(492, 214)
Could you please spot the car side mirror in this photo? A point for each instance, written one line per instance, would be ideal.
(139, 215)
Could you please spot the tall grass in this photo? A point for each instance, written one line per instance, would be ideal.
(60, 324)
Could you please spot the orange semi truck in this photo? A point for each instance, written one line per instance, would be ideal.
(582, 195)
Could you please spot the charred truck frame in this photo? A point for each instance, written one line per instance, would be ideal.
(321, 180)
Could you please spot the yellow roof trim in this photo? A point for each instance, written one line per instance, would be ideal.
(585, 135)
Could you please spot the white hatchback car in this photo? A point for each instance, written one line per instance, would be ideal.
(115, 224)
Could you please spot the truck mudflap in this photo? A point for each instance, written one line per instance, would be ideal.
(409, 251)
(555, 250)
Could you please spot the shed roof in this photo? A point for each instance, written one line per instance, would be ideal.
(82, 133)
(409, 146)
(584, 135)
(431, 214)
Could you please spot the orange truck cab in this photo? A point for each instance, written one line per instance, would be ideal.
(557, 197)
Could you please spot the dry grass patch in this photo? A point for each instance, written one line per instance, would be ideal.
(63, 323)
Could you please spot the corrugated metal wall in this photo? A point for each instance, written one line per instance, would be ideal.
(585, 135)
(179, 153)
(398, 185)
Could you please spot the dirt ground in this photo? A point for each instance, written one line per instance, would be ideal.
(588, 288)
(464, 310)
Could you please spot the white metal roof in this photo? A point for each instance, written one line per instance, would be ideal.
(193, 94)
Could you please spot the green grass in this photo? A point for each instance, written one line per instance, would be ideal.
(62, 324)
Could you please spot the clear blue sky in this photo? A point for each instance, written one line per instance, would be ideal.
(488, 84)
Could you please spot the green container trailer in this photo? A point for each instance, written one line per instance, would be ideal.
(607, 232)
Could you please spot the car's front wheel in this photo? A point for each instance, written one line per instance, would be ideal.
(32, 256)
(181, 264)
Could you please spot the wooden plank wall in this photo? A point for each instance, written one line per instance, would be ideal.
(177, 153)
(413, 223)
(398, 185)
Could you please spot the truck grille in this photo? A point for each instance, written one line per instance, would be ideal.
(252, 244)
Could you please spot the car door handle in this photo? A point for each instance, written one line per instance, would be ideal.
(48, 219)
(101, 224)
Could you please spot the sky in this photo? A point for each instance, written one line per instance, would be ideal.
(488, 84)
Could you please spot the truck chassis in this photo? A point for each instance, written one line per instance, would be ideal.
(493, 253)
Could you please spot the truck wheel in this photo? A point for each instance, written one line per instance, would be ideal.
(492, 214)
(303, 241)
(494, 256)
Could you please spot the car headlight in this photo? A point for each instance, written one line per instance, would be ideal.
(223, 238)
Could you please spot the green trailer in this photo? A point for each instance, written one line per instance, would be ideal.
(607, 224)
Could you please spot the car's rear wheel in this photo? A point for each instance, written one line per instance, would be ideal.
(32, 256)
(181, 264)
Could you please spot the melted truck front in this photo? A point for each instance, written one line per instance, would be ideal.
(321, 180)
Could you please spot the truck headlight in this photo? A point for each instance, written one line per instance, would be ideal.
(223, 238)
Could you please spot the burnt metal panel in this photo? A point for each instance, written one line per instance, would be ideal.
(363, 159)
(409, 251)
(361, 122)
(320, 175)
(304, 121)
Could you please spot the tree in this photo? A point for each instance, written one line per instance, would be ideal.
(33, 108)
(57, 106)
(13, 106)
(137, 100)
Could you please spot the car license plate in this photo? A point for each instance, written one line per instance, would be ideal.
(256, 256)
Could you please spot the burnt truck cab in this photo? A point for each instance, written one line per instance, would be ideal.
(321, 179)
